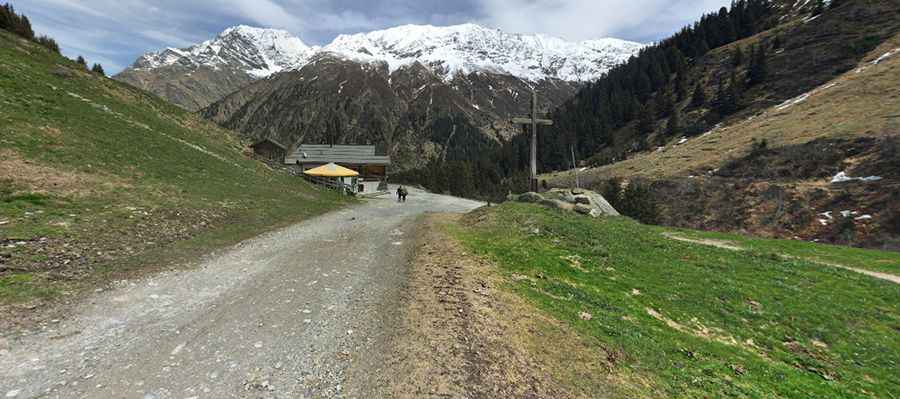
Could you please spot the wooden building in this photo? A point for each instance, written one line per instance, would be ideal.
(372, 167)
(269, 149)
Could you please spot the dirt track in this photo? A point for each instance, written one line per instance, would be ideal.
(283, 315)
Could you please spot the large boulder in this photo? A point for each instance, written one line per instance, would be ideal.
(587, 210)
(600, 204)
(557, 204)
(560, 194)
(531, 197)
(585, 202)
(582, 199)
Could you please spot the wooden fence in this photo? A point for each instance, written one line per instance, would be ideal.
(334, 184)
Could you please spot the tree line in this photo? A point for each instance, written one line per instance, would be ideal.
(20, 25)
(653, 86)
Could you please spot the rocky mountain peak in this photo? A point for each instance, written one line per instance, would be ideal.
(468, 48)
(258, 52)
(449, 50)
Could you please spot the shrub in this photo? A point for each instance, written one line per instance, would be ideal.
(637, 202)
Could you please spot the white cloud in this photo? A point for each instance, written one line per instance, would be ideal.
(591, 19)
(264, 12)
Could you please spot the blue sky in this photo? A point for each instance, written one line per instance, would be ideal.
(116, 32)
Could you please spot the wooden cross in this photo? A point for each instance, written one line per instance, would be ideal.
(534, 121)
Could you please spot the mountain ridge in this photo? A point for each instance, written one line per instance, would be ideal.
(196, 76)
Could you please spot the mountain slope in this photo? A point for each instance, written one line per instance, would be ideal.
(197, 76)
(98, 179)
(417, 114)
(825, 107)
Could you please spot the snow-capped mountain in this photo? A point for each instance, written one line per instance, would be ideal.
(199, 75)
(471, 48)
(259, 52)
(449, 50)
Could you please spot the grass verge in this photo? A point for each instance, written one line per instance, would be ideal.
(698, 320)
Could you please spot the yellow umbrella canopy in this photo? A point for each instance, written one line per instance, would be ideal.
(331, 170)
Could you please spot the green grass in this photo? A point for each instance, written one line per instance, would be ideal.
(23, 286)
(742, 323)
(90, 150)
(875, 260)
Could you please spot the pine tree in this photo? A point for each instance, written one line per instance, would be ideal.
(702, 47)
(98, 69)
(642, 86)
(49, 43)
(681, 90)
(23, 28)
(738, 57)
(819, 8)
(6, 17)
(758, 70)
(81, 61)
(647, 120)
(776, 42)
(664, 104)
(725, 102)
(673, 127)
(699, 97)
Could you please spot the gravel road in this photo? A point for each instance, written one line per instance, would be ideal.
(283, 315)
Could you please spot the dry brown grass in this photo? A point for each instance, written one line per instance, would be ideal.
(859, 104)
(26, 175)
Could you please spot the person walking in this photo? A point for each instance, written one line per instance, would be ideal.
(400, 194)
(403, 194)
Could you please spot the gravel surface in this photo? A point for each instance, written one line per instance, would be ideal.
(283, 315)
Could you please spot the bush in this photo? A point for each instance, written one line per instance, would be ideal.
(49, 43)
(637, 202)
(611, 190)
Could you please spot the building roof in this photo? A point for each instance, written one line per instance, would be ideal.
(331, 170)
(277, 144)
(345, 154)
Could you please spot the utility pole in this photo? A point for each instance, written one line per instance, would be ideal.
(534, 121)
(574, 166)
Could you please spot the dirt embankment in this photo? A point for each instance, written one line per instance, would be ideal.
(462, 335)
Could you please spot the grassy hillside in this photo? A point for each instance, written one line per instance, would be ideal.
(862, 102)
(716, 316)
(98, 179)
(725, 179)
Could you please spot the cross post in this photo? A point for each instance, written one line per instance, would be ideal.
(534, 121)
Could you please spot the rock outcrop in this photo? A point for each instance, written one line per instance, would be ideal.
(581, 201)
